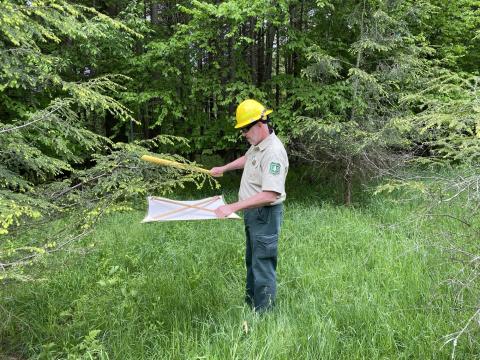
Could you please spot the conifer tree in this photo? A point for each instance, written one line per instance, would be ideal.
(45, 139)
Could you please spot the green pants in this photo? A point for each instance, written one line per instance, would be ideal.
(262, 227)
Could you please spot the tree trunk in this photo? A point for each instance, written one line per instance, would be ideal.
(146, 120)
(231, 71)
(277, 70)
(347, 181)
(260, 56)
(296, 56)
(270, 37)
(348, 172)
(155, 13)
(252, 51)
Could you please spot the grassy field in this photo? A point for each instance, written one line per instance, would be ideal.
(354, 283)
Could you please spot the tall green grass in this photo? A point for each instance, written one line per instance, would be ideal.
(353, 283)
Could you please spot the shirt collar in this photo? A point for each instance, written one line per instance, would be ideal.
(262, 145)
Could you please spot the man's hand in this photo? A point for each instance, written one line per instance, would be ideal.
(223, 211)
(217, 171)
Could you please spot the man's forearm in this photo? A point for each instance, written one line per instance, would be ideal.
(236, 164)
(261, 199)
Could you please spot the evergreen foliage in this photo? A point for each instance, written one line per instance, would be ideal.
(449, 120)
(42, 130)
(51, 162)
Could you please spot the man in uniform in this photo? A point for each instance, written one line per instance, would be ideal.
(261, 194)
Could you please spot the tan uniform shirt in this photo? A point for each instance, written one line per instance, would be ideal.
(265, 169)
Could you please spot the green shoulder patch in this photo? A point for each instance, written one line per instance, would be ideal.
(274, 168)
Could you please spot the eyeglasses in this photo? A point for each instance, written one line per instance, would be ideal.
(245, 129)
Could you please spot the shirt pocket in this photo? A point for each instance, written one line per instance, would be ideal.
(254, 172)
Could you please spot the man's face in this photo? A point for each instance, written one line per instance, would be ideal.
(251, 133)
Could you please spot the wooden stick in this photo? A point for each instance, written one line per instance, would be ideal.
(175, 164)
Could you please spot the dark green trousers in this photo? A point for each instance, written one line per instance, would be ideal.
(262, 227)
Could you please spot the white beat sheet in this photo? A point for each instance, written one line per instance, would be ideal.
(163, 209)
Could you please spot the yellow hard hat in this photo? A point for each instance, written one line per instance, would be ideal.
(250, 111)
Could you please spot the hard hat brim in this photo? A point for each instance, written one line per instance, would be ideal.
(248, 122)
